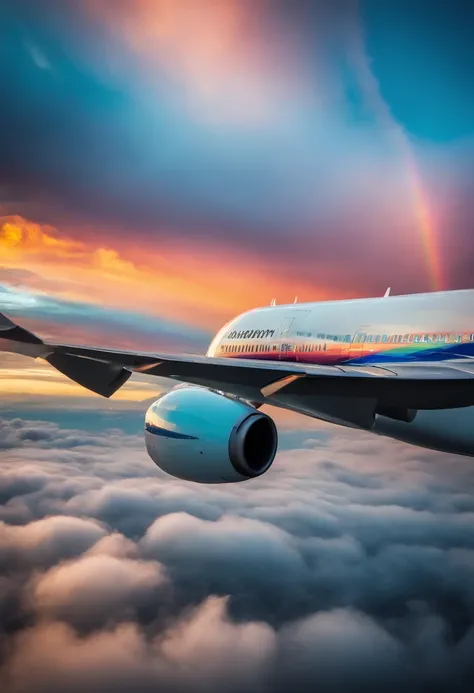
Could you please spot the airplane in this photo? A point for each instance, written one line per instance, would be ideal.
(400, 366)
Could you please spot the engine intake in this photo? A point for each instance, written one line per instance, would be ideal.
(199, 435)
(252, 446)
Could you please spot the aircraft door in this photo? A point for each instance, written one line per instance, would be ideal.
(287, 334)
(358, 345)
(284, 338)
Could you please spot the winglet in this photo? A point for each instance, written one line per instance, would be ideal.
(387, 293)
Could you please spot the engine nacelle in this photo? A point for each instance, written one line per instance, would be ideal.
(199, 435)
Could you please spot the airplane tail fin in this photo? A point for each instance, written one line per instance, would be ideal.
(99, 377)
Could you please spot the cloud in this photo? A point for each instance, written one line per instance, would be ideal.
(170, 291)
(219, 54)
(57, 278)
(97, 588)
(350, 564)
(48, 540)
(253, 149)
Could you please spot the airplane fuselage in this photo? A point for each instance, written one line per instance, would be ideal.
(417, 327)
(426, 329)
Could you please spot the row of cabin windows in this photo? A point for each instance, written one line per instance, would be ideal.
(303, 348)
(423, 338)
(359, 339)
(247, 348)
(259, 348)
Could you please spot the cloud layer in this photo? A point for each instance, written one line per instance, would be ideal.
(349, 565)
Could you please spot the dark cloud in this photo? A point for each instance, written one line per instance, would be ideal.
(349, 565)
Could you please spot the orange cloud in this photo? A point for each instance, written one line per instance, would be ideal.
(39, 379)
(203, 286)
(22, 379)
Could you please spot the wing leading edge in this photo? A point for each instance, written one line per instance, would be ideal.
(355, 391)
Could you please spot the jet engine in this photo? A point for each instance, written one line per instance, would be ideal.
(201, 435)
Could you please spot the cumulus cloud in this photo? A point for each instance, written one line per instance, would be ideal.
(349, 565)
(48, 540)
(103, 587)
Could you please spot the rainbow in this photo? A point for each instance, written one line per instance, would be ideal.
(421, 206)
(426, 224)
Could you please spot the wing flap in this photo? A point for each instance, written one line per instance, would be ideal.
(99, 377)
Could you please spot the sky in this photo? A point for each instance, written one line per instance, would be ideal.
(165, 165)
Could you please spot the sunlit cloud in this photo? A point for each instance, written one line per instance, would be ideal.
(199, 285)
(228, 58)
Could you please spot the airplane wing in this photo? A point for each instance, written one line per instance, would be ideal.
(350, 394)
